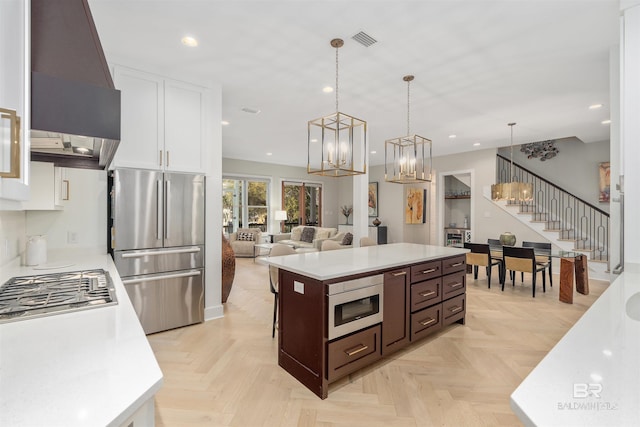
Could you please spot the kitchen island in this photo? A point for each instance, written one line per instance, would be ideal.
(89, 367)
(343, 310)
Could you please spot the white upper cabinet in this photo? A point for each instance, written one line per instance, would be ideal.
(14, 101)
(142, 119)
(162, 123)
(183, 142)
(50, 187)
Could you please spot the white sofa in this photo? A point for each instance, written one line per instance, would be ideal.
(338, 238)
(295, 237)
(245, 248)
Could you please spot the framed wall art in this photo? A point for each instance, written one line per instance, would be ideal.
(415, 206)
(604, 182)
(373, 199)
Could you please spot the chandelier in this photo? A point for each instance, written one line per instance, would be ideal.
(337, 143)
(512, 191)
(404, 157)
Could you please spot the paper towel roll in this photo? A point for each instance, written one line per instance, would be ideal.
(36, 250)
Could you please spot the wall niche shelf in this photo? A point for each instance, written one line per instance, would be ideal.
(468, 196)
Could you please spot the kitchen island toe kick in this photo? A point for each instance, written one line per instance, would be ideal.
(393, 295)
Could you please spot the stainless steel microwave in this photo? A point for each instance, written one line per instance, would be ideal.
(354, 305)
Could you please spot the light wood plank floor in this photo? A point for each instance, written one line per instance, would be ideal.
(224, 372)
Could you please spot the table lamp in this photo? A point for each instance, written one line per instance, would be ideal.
(280, 216)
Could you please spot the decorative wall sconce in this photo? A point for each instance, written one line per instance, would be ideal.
(542, 150)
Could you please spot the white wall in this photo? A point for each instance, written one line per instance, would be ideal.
(12, 235)
(630, 132)
(85, 214)
(575, 168)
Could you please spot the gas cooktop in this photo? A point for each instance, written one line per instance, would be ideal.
(26, 297)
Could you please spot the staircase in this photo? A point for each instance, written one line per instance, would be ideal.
(567, 221)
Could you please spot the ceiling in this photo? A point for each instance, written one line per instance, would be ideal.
(478, 65)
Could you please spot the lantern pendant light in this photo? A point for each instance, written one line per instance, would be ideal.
(404, 157)
(337, 143)
(512, 191)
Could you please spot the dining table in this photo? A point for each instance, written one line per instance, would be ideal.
(572, 264)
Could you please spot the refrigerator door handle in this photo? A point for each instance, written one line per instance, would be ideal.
(158, 209)
(167, 192)
(156, 253)
(161, 277)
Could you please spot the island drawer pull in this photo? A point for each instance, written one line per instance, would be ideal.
(457, 264)
(454, 285)
(427, 322)
(400, 273)
(426, 294)
(455, 309)
(356, 350)
(431, 270)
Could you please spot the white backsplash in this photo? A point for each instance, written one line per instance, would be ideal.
(12, 235)
(83, 221)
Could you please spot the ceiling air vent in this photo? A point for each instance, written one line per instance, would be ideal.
(364, 39)
(250, 110)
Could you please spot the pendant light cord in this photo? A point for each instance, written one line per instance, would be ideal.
(511, 125)
(337, 79)
(408, 107)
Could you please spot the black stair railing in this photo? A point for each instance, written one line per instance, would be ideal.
(573, 218)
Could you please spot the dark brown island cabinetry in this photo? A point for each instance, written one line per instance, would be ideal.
(417, 300)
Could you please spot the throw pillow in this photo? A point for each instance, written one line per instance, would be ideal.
(307, 234)
(322, 233)
(296, 232)
(347, 239)
(245, 236)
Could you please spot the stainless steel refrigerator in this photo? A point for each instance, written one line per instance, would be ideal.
(157, 241)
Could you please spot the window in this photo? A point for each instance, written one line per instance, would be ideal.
(245, 204)
(303, 203)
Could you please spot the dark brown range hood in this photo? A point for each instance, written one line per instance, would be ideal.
(75, 109)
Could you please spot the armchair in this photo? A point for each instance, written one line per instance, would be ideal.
(244, 240)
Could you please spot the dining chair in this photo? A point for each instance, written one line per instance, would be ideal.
(480, 256)
(523, 260)
(277, 250)
(543, 257)
(495, 243)
(367, 241)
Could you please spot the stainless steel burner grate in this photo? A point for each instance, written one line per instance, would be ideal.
(40, 295)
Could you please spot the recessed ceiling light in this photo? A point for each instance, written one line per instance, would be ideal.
(452, 136)
(595, 106)
(475, 144)
(606, 122)
(224, 123)
(189, 41)
(269, 154)
(327, 89)
(374, 152)
(314, 140)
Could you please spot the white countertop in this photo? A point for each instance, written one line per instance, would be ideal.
(592, 376)
(344, 262)
(90, 367)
